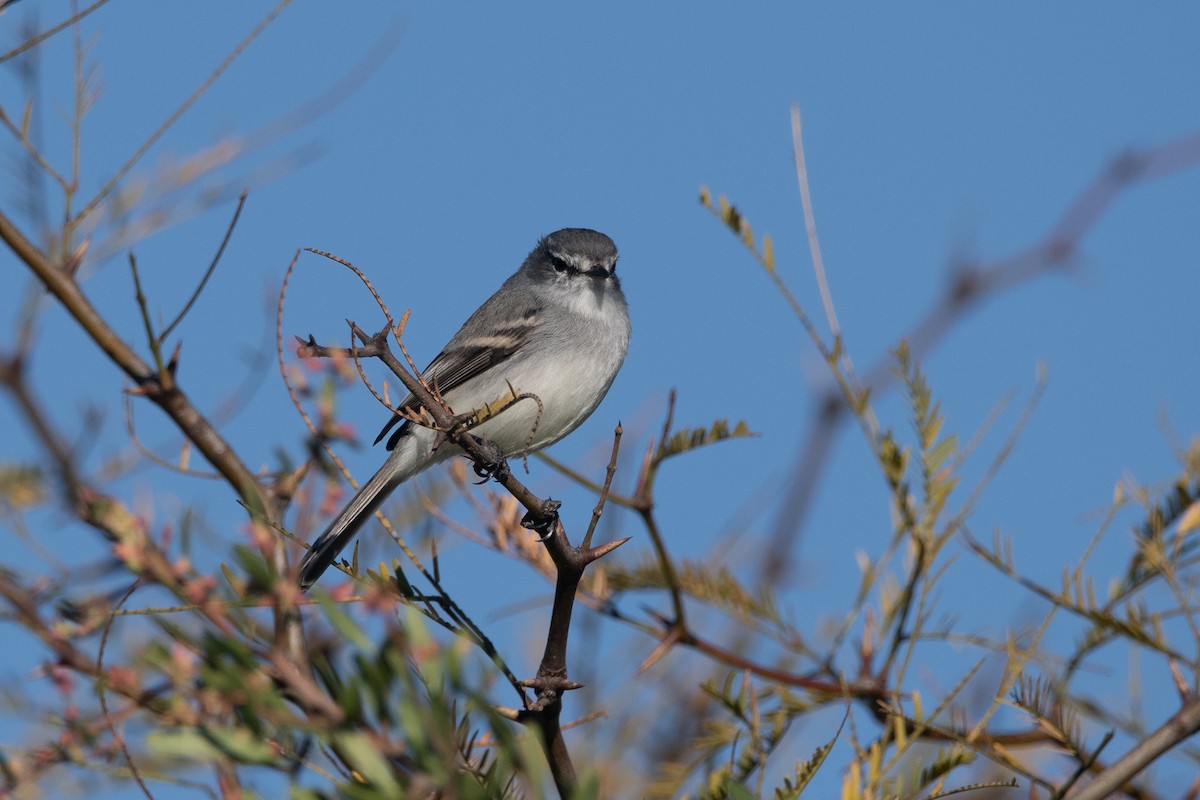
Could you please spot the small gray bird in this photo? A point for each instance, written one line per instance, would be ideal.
(558, 329)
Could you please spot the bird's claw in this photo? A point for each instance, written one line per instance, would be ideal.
(495, 466)
(543, 522)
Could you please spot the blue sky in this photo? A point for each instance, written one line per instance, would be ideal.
(933, 132)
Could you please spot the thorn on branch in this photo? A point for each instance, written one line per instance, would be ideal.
(595, 553)
(173, 361)
(372, 347)
(550, 688)
(670, 638)
(545, 684)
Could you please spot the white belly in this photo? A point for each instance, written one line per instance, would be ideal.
(570, 383)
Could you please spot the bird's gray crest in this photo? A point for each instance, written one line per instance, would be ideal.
(580, 247)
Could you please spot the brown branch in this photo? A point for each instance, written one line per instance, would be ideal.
(23, 609)
(867, 690)
(163, 392)
(145, 558)
(100, 510)
(551, 681)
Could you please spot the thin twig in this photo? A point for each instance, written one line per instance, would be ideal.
(33, 152)
(79, 109)
(34, 41)
(1182, 725)
(140, 297)
(644, 494)
(170, 398)
(810, 223)
(578, 477)
(608, 478)
(208, 272)
(102, 695)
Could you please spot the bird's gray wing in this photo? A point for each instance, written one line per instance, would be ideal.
(464, 358)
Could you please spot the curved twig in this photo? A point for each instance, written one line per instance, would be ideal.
(237, 213)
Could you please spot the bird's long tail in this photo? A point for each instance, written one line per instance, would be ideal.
(325, 550)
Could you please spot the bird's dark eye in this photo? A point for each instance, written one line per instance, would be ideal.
(560, 264)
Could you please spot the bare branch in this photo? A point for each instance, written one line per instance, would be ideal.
(1184, 724)
(167, 396)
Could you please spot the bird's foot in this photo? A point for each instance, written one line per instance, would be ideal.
(544, 521)
(495, 465)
